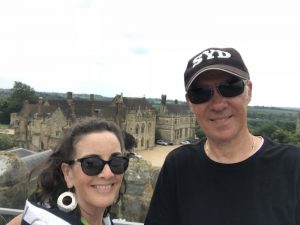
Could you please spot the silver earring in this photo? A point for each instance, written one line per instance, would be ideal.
(63, 197)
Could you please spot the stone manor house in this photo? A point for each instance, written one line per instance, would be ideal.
(41, 126)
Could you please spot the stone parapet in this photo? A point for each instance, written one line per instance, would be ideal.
(140, 179)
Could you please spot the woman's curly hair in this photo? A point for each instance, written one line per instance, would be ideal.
(51, 182)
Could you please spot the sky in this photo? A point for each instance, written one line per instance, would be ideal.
(141, 48)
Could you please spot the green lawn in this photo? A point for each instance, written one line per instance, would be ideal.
(3, 126)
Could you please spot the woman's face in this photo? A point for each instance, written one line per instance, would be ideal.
(99, 191)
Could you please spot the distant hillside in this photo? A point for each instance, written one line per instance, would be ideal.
(4, 93)
(55, 95)
(274, 114)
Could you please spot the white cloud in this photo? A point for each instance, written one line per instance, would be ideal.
(140, 47)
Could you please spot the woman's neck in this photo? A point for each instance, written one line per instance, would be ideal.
(92, 218)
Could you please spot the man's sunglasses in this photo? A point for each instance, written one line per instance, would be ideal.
(202, 93)
(93, 165)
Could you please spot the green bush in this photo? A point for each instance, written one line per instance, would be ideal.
(6, 141)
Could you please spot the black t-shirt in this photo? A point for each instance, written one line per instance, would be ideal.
(261, 190)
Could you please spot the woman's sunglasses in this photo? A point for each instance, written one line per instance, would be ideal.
(93, 165)
(203, 93)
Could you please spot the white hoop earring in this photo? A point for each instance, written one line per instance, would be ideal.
(66, 207)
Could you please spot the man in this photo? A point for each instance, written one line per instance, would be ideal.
(231, 177)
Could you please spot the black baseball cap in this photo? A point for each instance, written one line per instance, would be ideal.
(228, 60)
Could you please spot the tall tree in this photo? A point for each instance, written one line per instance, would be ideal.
(20, 93)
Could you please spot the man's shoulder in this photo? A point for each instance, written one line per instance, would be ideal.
(271, 144)
(187, 150)
(281, 150)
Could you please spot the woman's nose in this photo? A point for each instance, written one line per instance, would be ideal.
(106, 172)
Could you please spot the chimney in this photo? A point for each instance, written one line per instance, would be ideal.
(40, 105)
(40, 100)
(69, 98)
(163, 104)
(92, 97)
(69, 95)
(26, 107)
(163, 99)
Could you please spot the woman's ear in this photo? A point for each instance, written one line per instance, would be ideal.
(68, 174)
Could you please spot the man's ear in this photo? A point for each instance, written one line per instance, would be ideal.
(68, 174)
(190, 105)
(249, 91)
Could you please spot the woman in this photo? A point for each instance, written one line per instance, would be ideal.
(82, 178)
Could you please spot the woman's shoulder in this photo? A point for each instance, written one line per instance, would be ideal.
(34, 212)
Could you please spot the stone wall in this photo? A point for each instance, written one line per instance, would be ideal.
(13, 181)
(140, 178)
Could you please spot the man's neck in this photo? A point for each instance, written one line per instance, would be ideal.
(232, 151)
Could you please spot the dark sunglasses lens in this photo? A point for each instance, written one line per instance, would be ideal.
(118, 165)
(199, 94)
(232, 88)
(92, 166)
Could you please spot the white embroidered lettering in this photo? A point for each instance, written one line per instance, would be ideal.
(210, 55)
(222, 54)
(197, 60)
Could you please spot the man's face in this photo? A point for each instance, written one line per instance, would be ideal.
(221, 118)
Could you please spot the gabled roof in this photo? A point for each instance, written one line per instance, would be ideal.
(178, 108)
(137, 102)
(35, 108)
(63, 105)
(111, 112)
(81, 107)
(88, 108)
